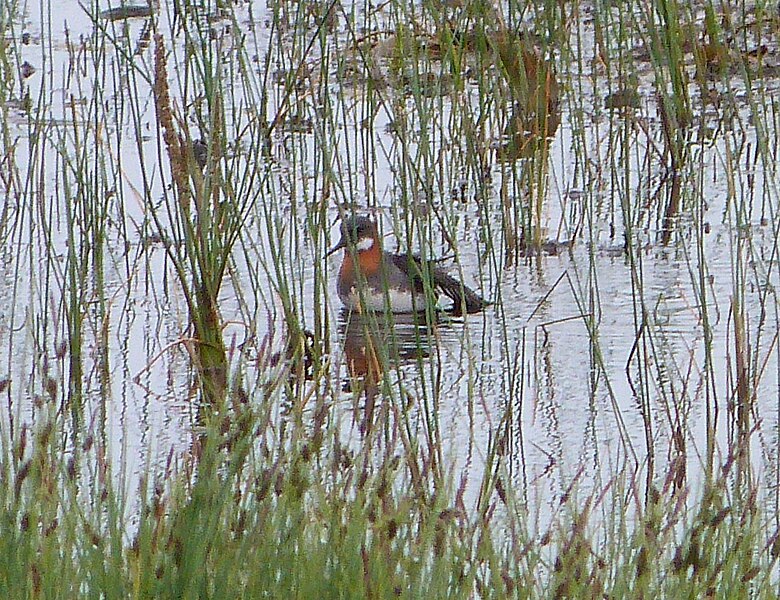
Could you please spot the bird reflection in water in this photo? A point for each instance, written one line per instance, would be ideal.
(377, 342)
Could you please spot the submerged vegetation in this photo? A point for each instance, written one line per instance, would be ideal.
(188, 414)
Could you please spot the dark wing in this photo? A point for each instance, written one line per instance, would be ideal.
(464, 298)
(413, 267)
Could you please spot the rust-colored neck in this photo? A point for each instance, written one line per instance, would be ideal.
(368, 261)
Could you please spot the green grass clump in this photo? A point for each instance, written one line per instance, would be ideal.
(260, 508)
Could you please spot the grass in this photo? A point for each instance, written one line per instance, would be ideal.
(187, 415)
(264, 520)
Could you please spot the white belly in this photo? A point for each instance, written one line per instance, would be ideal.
(396, 301)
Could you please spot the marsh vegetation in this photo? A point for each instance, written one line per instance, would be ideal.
(187, 412)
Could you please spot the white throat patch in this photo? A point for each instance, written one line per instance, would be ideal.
(364, 244)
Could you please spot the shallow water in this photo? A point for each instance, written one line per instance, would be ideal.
(583, 370)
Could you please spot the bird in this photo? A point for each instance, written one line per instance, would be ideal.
(373, 279)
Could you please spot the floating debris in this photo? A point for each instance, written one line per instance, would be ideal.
(121, 13)
(429, 85)
(625, 98)
(298, 124)
(27, 70)
(546, 248)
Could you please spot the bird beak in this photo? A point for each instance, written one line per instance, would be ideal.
(342, 243)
